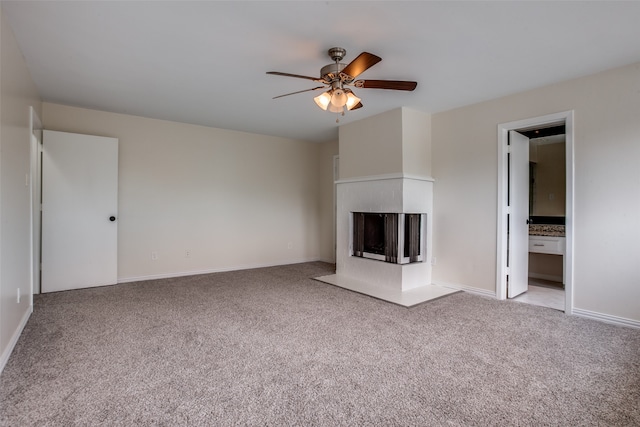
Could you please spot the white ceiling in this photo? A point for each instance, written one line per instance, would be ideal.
(205, 62)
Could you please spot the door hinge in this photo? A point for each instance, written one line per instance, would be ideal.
(507, 282)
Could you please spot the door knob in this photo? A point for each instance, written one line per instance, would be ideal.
(112, 218)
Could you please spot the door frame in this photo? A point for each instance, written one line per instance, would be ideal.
(35, 188)
(503, 209)
(336, 177)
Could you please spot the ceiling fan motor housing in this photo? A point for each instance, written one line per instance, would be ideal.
(337, 53)
(331, 72)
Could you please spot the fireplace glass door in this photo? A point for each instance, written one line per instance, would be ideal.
(391, 237)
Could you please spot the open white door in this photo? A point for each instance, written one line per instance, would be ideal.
(518, 214)
(79, 211)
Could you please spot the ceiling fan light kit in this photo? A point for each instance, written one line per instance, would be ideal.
(323, 100)
(352, 99)
(335, 100)
(337, 76)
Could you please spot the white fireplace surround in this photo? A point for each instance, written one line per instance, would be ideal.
(405, 284)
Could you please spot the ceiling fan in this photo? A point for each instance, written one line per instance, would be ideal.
(337, 77)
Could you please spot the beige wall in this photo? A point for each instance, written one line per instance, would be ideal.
(327, 202)
(233, 199)
(397, 141)
(17, 94)
(416, 139)
(607, 179)
(378, 139)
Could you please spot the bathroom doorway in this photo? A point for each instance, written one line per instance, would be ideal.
(516, 209)
(547, 212)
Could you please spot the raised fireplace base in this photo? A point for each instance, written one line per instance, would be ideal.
(408, 298)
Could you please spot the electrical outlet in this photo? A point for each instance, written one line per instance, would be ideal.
(18, 299)
(187, 253)
(289, 245)
(433, 261)
(154, 256)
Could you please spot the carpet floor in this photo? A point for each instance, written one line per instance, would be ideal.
(274, 347)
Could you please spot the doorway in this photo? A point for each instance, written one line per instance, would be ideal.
(546, 228)
(513, 212)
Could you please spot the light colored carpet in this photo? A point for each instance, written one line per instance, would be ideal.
(274, 347)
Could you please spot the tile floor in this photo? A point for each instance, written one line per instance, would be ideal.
(543, 293)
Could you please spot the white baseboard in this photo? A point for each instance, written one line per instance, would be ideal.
(470, 289)
(621, 321)
(545, 277)
(208, 271)
(14, 338)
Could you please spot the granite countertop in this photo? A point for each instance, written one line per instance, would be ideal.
(546, 230)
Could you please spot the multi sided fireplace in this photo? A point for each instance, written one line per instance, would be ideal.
(386, 218)
(396, 238)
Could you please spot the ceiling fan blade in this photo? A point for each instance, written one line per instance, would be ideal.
(387, 84)
(363, 62)
(358, 105)
(300, 91)
(277, 73)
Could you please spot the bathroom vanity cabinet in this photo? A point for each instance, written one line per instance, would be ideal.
(552, 245)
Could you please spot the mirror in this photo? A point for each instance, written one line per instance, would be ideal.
(547, 176)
